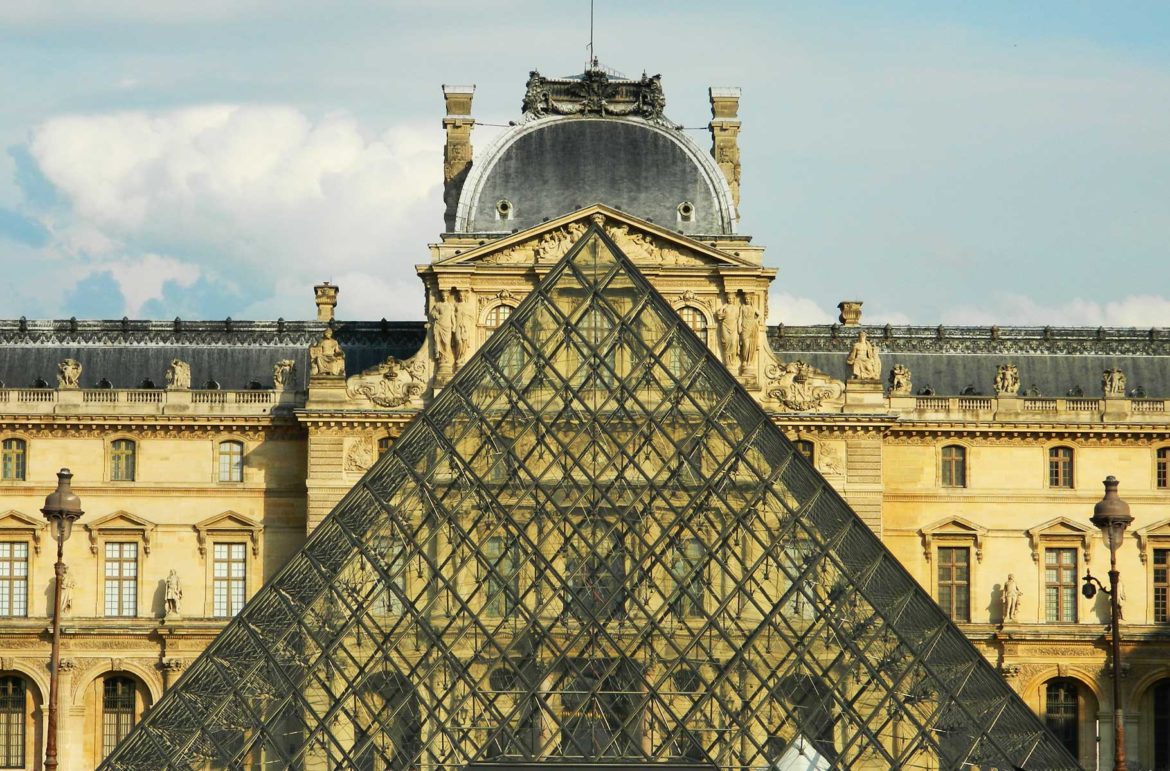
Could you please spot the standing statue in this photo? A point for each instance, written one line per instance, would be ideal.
(900, 384)
(178, 375)
(1007, 380)
(284, 374)
(443, 329)
(463, 342)
(864, 359)
(326, 357)
(1113, 382)
(67, 587)
(69, 374)
(728, 318)
(749, 333)
(174, 595)
(1011, 598)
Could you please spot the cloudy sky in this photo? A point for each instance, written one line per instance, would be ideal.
(992, 162)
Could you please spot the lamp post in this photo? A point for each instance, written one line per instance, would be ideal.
(62, 509)
(1111, 515)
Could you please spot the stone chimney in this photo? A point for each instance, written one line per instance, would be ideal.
(850, 312)
(457, 153)
(326, 301)
(724, 128)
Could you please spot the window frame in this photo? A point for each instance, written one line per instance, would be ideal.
(121, 581)
(14, 717)
(1162, 468)
(1057, 473)
(952, 582)
(801, 444)
(116, 453)
(1061, 586)
(232, 603)
(961, 463)
(10, 581)
(19, 455)
(1161, 586)
(125, 717)
(1077, 700)
(235, 471)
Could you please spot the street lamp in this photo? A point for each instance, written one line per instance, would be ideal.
(1111, 515)
(62, 509)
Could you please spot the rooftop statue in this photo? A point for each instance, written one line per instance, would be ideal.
(326, 357)
(864, 358)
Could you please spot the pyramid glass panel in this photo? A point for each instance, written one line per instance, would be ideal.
(592, 547)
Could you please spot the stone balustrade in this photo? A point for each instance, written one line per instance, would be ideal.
(145, 401)
(1015, 408)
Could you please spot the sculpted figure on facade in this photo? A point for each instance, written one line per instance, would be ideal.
(69, 374)
(728, 319)
(864, 358)
(326, 357)
(1113, 382)
(1011, 598)
(900, 384)
(67, 587)
(463, 341)
(284, 374)
(174, 595)
(749, 334)
(359, 456)
(178, 375)
(443, 330)
(1007, 380)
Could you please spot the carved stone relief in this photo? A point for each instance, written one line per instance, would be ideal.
(1113, 382)
(326, 358)
(1007, 380)
(900, 382)
(178, 375)
(69, 374)
(359, 455)
(284, 374)
(392, 383)
(802, 387)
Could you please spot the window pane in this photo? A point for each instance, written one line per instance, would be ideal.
(954, 588)
(231, 462)
(228, 578)
(122, 460)
(12, 460)
(117, 711)
(13, 579)
(1060, 585)
(121, 573)
(12, 722)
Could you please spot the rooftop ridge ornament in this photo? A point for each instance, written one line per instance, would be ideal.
(595, 546)
(595, 93)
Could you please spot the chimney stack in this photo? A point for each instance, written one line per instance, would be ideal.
(457, 153)
(326, 295)
(724, 128)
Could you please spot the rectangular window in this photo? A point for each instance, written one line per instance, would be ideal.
(954, 466)
(1161, 584)
(1060, 467)
(13, 579)
(117, 711)
(1060, 585)
(1163, 468)
(122, 460)
(228, 569)
(12, 722)
(687, 576)
(503, 585)
(954, 582)
(12, 460)
(121, 579)
(231, 461)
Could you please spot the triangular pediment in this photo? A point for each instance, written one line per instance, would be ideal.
(13, 521)
(120, 523)
(1061, 529)
(593, 547)
(1156, 534)
(645, 243)
(953, 527)
(229, 523)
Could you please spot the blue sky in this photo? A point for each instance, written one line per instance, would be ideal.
(987, 162)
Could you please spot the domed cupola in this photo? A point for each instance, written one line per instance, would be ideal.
(595, 138)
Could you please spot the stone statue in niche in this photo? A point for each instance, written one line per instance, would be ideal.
(172, 605)
(1011, 598)
(900, 384)
(864, 358)
(284, 374)
(1113, 382)
(1007, 380)
(749, 333)
(326, 357)
(463, 342)
(69, 374)
(178, 375)
(443, 330)
(728, 319)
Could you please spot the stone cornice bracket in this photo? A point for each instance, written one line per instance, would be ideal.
(172, 665)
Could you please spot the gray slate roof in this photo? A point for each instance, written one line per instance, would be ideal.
(231, 353)
(951, 360)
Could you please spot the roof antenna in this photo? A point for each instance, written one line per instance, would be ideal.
(592, 57)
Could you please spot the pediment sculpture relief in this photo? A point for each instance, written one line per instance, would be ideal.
(801, 387)
(552, 245)
(392, 383)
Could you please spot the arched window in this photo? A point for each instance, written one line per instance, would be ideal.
(1062, 712)
(1161, 694)
(695, 319)
(1163, 468)
(13, 458)
(118, 711)
(807, 449)
(231, 461)
(123, 460)
(496, 317)
(12, 721)
(954, 466)
(1060, 467)
(384, 445)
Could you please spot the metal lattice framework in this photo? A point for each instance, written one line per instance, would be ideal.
(593, 547)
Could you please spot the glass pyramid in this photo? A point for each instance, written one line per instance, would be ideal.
(592, 547)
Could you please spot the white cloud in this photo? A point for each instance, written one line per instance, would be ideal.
(784, 308)
(259, 192)
(142, 280)
(1133, 311)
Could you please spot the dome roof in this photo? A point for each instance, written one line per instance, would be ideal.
(634, 160)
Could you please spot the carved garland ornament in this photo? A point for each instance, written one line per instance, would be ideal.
(392, 383)
(802, 387)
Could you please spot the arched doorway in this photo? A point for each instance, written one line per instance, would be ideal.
(388, 733)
